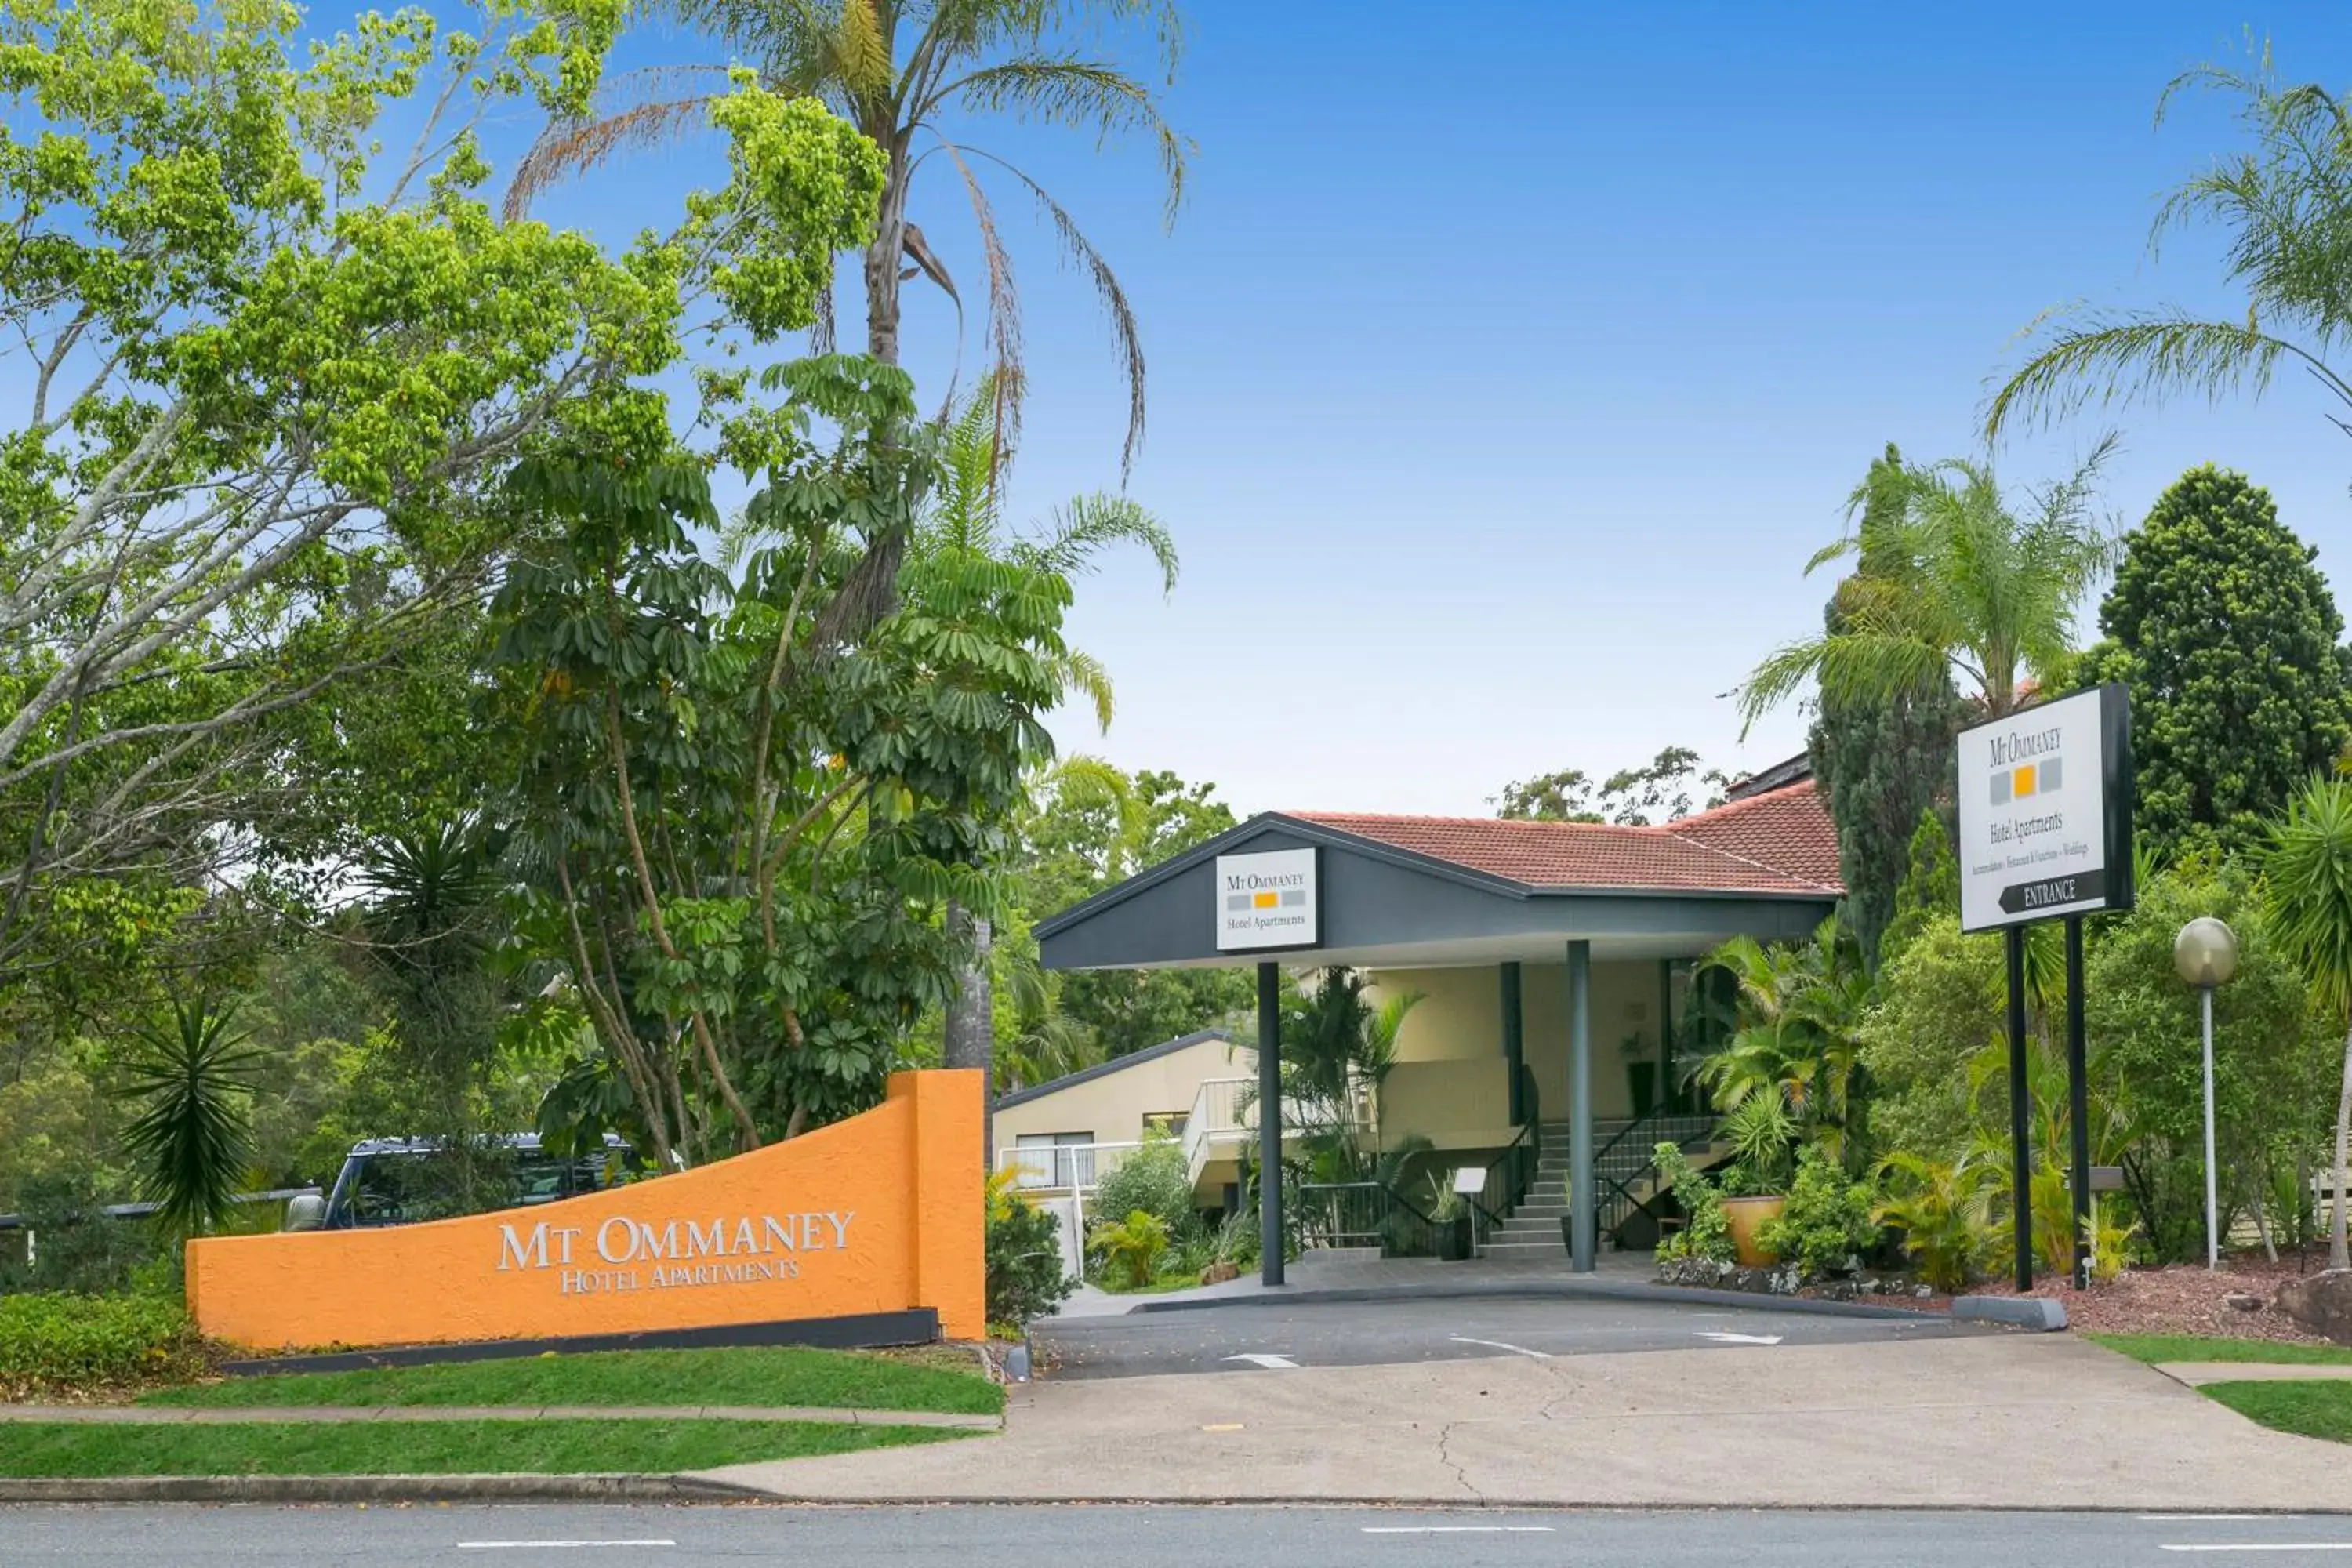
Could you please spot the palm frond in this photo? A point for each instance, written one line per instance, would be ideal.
(1077, 94)
(1084, 525)
(1082, 673)
(1006, 376)
(632, 111)
(1127, 338)
(2141, 358)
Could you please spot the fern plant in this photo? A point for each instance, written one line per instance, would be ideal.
(1944, 1210)
(1132, 1248)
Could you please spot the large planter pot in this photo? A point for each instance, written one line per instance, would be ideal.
(1747, 1217)
(1453, 1240)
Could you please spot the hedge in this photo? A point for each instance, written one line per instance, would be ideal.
(54, 1344)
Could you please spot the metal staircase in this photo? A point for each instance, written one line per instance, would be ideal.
(1621, 1167)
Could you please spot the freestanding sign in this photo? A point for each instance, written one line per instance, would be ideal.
(2045, 806)
(1268, 899)
(2045, 815)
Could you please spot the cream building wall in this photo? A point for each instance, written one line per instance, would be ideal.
(1113, 1106)
(1450, 1085)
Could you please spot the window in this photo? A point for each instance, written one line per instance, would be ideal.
(1055, 1159)
(1166, 1123)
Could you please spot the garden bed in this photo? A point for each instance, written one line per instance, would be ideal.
(2183, 1298)
(1884, 1290)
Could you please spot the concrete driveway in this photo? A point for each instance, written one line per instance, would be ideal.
(1982, 1421)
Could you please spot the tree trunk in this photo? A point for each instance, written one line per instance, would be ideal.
(2337, 1255)
(970, 1027)
(884, 257)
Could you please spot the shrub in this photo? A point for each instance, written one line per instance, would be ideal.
(1026, 1276)
(1706, 1233)
(54, 1344)
(1945, 1211)
(1155, 1180)
(1826, 1223)
(79, 1250)
(1131, 1249)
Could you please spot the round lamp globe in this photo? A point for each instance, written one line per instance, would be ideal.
(2206, 953)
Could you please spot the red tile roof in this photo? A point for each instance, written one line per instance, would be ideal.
(1779, 842)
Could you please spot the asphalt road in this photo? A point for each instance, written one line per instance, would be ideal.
(1142, 1537)
(1381, 1333)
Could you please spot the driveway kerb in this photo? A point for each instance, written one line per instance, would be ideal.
(330, 1414)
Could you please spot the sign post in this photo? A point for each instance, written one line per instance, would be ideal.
(2045, 815)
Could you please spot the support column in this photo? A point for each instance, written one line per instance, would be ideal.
(2078, 1101)
(1269, 1122)
(1664, 1101)
(1584, 1201)
(1515, 1054)
(2021, 1149)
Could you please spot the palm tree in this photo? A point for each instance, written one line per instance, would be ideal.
(2287, 204)
(900, 70)
(1799, 1007)
(193, 1136)
(967, 513)
(1953, 582)
(2308, 873)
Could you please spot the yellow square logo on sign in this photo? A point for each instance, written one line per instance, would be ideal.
(2021, 782)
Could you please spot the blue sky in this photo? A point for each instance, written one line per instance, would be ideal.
(1505, 365)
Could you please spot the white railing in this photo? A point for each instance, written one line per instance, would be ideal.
(1062, 1167)
(1224, 1116)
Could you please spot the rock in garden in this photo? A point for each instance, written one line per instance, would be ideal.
(2322, 1303)
(2245, 1303)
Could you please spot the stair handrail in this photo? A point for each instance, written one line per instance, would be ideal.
(1618, 1192)
(1517, 1162)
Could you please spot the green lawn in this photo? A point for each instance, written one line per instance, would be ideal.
(51, 1448)
(2315, 1409)
(2155, 1348)
(767, 1377)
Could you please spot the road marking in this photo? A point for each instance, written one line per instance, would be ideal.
(2263, 1546)
(2192, 1518)
(1271, 1363)
(1222, 1426)
(1499, 1345)
(550, 1545)
(1458, 1530)
(1741, 1338)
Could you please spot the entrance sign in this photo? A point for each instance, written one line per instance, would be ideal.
(881, 1213)
(2045, 808)
(1268, 899)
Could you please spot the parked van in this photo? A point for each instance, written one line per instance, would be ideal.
(401, 1180)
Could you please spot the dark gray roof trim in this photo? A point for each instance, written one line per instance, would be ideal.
(1104, 1069)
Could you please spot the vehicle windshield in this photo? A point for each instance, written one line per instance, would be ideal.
(403, 1188)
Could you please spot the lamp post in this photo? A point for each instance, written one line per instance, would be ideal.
(2205, 953)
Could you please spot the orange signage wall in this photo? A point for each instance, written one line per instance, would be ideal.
(880, 1213)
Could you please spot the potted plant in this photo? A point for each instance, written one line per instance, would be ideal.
(1755, 1187)
(1449, 1211)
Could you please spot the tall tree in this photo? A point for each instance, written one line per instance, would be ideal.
(2285, 203)
(1671, 784)
(1956, 584)
(266, 381)
(2226, 636)
(2307, 869)
(901, 71)
(1881, 759)
(967, 516)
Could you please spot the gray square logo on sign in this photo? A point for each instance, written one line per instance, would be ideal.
(2000, 787)
(2049, 776)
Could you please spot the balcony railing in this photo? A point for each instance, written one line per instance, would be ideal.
(1063, 1167)
(1223, 1119)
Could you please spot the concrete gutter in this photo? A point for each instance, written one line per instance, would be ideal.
(239, 1415)
(602, 1488)
(1566, 1286)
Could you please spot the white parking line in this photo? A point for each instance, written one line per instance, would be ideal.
(2262, 1546)
(1499, 1345)
(1458, 1530)
(549, 1545)
(2199, 1518)
(1741, 1338)
(1271, 1363)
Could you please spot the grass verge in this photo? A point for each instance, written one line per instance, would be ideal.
(2154, 1348)
(766, 1377)
(60, 1448)
(2315, 1409)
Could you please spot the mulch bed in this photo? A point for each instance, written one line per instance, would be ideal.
(2184, 1298)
